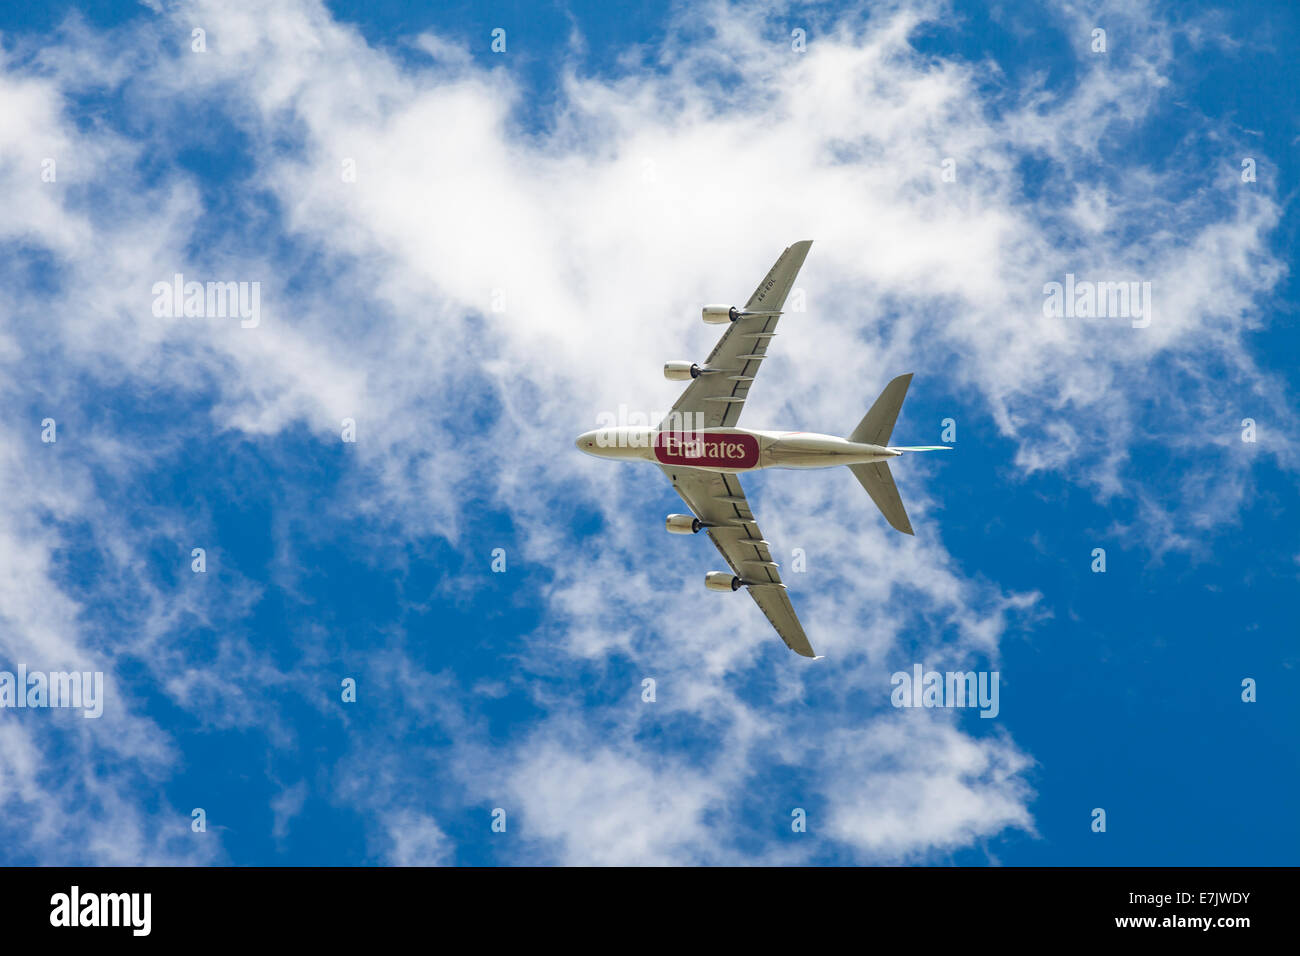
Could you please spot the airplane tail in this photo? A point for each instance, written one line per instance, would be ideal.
(875, 429)
(878, 424)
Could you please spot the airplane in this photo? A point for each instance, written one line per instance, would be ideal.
(702, 452)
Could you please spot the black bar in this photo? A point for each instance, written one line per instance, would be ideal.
(331, 906)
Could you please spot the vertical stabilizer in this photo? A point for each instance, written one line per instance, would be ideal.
(878, 424)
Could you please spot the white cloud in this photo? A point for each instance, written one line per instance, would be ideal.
(912, 782)
(416, 840)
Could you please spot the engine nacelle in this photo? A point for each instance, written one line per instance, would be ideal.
(722, 581)
(720, 314)
(680, 371)
(683, 524)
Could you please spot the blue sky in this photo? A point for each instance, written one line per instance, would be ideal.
(528, 236)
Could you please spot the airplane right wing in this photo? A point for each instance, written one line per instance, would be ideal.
(717, 499)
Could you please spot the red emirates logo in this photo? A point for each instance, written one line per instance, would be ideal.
(706, 451)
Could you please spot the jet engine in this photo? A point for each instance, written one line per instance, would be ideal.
(720, 314)
(683, 524)
(680, 371)
(722, 581)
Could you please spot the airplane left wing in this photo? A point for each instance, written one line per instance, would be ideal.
(715, 399)
(717, 499)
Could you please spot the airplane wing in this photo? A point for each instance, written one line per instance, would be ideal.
(717, 499)
(719, 397)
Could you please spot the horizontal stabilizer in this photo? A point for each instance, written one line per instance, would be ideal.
(875, 477)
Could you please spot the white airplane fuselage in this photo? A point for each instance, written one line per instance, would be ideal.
(730, 450)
